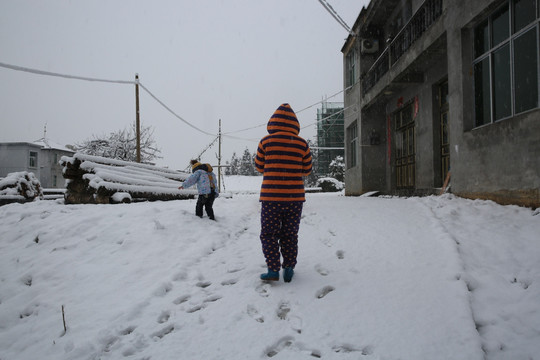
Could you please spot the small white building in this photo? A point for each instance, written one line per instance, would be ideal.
(40, 157)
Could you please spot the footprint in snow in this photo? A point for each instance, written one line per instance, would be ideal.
(181, 275)
(340, 254)
(163, 317)
(296, 323)
(138, 343)
(27, 280)
(129, 352)
(324, 291)
(212, 298)
(163, 289)
(288, 342)
(284, 342)
(347, 348)
(235, 269)
(127, 330)
(182, 299)
(195, 308)
(229, 282)
(158, 225)
(209, 299)
(321, 270)
(254, 313)
(203, 284)
(163, 332)
(283, 309)
(108, 342)
(263, 289)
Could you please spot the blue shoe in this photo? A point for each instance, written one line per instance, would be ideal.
(288, 274)
(270, 276)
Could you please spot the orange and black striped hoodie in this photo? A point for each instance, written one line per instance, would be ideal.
(283, 157)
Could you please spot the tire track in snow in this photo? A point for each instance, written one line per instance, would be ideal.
(446, 235)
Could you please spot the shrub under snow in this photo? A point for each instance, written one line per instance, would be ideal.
(328, 184)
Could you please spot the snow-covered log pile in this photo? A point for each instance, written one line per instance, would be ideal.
(99, 180)
(20, 187)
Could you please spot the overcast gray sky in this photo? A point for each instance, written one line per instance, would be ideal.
(234, 60)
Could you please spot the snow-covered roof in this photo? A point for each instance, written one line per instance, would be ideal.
(48, 144)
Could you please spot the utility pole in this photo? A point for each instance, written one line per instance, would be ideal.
(219, 157)
(137, 118)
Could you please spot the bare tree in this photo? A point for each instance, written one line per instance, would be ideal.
(122, 145)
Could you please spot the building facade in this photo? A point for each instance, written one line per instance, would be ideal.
(444, 86)
(41, 158)
(330, 135)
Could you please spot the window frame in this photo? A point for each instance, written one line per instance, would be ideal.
(405, 146)
(352, 141)
(32, 159)
(489, 55)
(351, 59)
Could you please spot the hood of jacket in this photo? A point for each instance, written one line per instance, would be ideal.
(199, 166)
(283, 119)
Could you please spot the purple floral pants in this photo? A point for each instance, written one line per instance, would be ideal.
(280, 222)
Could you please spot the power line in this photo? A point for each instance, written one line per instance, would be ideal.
(240, 138)
(329, 97)
(202, 152)
(175, 114)
(336, 16)
(131, 82)
(297, 112)
(328, 117)
(249, 128)
(48, 73)
(316, 122)
(75, 77)
(325, 148)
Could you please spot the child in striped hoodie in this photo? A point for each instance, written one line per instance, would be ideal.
(284, 158)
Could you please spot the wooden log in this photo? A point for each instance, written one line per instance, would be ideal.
(79, 192)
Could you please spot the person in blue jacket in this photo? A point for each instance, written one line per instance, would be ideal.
(205, 179)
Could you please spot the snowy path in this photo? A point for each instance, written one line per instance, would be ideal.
(376, 279)
(402, 273)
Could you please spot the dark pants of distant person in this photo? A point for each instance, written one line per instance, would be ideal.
(206, 201)
(280, 222)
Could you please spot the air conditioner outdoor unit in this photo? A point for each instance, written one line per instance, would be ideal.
(369, 46)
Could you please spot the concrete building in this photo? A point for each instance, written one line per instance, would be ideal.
(40, 157)
(444, 85)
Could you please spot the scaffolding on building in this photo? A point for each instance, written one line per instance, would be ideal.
(330, 135)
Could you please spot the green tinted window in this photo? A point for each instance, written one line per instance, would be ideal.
(481, 39)
(482, 92)
(502, 103)
(526, 71)
(524, 13)
(501, 23)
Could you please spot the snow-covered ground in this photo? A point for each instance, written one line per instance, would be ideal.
(377, 278)
(237, 184)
